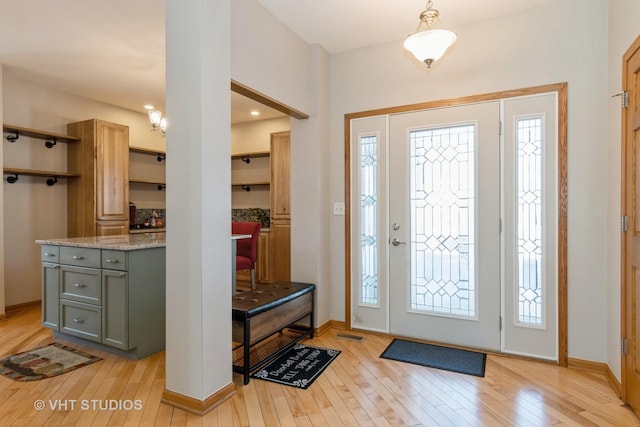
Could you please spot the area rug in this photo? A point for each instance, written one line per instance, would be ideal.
(44, 362)
(434, 356)
(298, 367)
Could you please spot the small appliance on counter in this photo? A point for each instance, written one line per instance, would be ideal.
(132, 215)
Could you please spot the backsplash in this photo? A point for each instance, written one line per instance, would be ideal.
(252, 215)
(142, 214)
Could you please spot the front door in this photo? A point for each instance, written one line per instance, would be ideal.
(631, 242)
(444, 213)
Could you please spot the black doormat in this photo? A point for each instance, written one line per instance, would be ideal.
(435, 356)
(298, 367)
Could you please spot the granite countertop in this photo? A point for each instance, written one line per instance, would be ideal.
(127, 242)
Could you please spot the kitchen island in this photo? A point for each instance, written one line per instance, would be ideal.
(106, 292)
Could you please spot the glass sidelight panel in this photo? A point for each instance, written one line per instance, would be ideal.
(442, 217)
(368, 220)
(529, 144)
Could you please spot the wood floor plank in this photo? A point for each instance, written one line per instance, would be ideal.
(357, 389)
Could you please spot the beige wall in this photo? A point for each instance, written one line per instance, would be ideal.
(564, 41)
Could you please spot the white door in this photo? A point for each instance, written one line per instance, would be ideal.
(444, 213)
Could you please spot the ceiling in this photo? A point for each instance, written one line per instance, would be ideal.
(113, 51)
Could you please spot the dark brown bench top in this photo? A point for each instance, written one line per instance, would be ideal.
(265, 297)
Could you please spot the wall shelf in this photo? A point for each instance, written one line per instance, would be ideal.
(246, 157)
(53, 176)
(51, 138)
(246, 186)
(161, 155)
(160, 185)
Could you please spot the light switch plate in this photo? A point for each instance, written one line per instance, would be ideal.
(338, 208)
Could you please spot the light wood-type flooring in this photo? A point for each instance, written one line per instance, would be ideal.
(357, 389)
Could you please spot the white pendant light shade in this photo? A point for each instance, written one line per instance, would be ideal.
(428, 46)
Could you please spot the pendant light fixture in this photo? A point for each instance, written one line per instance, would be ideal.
(426, 44)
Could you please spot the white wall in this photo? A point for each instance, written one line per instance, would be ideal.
(255, 136)
(275, 65)
(565, 41)
(624, 16)
(2, 263)
(33, 210)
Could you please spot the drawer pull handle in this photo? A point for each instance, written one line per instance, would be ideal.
(78, 320)
(48, 254)
(79, 285)
(111, 260)
(78, 257)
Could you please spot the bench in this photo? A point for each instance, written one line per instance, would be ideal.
(259, 314)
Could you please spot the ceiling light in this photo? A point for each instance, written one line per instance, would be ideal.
(426, 44)
(148, 107)
(255, 113)
(158, 123)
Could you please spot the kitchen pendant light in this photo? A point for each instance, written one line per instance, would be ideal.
(426, 44)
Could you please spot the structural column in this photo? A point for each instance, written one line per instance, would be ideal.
(198, 338)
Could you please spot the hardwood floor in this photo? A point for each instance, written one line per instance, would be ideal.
(357, 389)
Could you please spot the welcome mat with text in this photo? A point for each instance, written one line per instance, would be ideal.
(298, 367)
(44, 362)
(435, 356)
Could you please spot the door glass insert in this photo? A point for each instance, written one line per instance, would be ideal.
(368, 220)
(442, 218)
(529, 171)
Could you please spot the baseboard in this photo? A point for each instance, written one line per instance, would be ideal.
(23, 306)
(331, 324)
(195, 406)
(588, 365)
(613, 381)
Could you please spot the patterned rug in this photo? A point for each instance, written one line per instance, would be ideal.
(298, 367)
(44, 362)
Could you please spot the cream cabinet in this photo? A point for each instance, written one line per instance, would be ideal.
(98, 201)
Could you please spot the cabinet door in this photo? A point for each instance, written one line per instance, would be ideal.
(280, 175)
(280, 245)
(112, 228)
(51, 295)
(263, 270)
(115, 309)
(112, 169)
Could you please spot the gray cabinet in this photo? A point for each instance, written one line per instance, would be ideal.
(114, 298)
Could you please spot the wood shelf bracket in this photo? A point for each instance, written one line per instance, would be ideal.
(162, 156)
(162, 187)
(11, 179)
(246, 159)
(246, 187)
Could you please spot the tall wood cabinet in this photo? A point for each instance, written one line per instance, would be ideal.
(280, 192)
(98, 201)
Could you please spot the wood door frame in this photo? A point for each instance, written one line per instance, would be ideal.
(561, 90)
(635, 46)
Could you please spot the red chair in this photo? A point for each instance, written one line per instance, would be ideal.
(247, 251)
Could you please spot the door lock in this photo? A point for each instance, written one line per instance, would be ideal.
(396, 242)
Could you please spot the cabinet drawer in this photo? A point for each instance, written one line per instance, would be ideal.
(50, 253)
(81, 284)
(114, 260)
(82, 257)
(81, 320)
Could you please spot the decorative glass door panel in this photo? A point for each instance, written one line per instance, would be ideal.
(442, 204)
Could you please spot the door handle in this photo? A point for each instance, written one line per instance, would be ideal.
(396, 242)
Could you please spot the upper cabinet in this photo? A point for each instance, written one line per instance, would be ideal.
(280, 175)
(98, 201)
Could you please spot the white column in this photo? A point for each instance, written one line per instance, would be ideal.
(198, 357)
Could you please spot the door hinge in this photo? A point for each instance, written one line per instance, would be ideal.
(623, 346)
(624, 96)
(624, 223)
